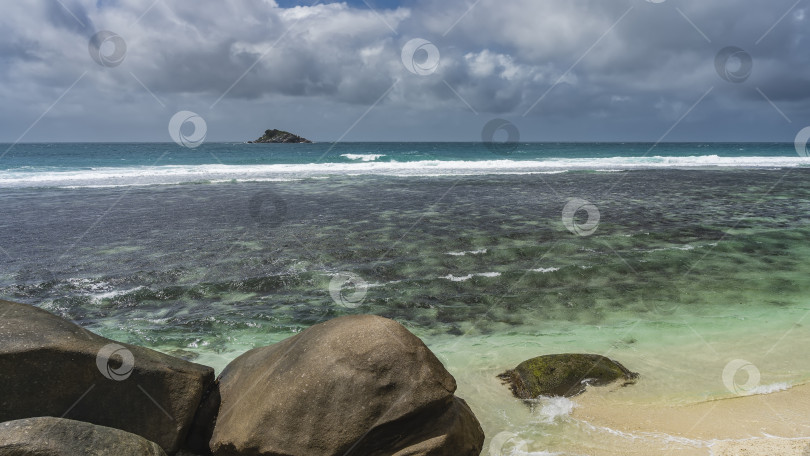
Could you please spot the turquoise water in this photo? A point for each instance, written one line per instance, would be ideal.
(83, 156)
(108, 165)
(672, 267)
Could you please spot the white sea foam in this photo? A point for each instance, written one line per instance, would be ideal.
(663, 249)
(363, 157)
(98, 297)
(468, 252)
(175, 174)
(553, 409)
(470, 276)
(545, 270)
(769, 389)
(489, 274)
(378, 284)
(88, 285)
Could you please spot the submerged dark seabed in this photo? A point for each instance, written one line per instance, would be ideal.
(181, 267)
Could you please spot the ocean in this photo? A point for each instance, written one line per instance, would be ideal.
(96, 165)
(688, 263)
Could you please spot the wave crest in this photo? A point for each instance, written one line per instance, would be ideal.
(212, 173)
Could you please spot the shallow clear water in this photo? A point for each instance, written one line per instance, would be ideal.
(686, 271)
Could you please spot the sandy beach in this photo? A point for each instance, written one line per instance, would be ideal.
(757, 425)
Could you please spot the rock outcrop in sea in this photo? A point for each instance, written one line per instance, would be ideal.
(280, 136)
(564, 375)
(360, 385)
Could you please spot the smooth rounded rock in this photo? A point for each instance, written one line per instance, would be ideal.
(564, 375)
(358, 385)
(52, 367)
(47, 436)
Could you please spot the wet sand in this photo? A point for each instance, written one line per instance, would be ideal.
(766, 425)
(771, 447)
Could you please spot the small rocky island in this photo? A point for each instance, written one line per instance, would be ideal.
(280, 137)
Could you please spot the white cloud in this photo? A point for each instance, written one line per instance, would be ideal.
(500, 57)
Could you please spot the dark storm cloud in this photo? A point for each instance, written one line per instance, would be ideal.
(631, 63)
(70, 16)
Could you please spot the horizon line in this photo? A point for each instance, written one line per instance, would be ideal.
(409, 142)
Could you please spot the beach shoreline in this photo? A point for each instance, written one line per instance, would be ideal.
(760, 424)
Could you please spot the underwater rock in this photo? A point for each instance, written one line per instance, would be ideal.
(564, 375)
(48, 436)
(359, 385)
(52, 367)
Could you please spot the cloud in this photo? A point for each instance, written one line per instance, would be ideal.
(559, 60)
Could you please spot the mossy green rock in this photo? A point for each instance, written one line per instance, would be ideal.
(564, 375)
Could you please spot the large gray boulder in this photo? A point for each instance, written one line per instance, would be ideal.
(52, 367)
(47, 436)
(358, 385)
(564, 375)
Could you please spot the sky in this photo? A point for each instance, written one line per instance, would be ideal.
(411, 70)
